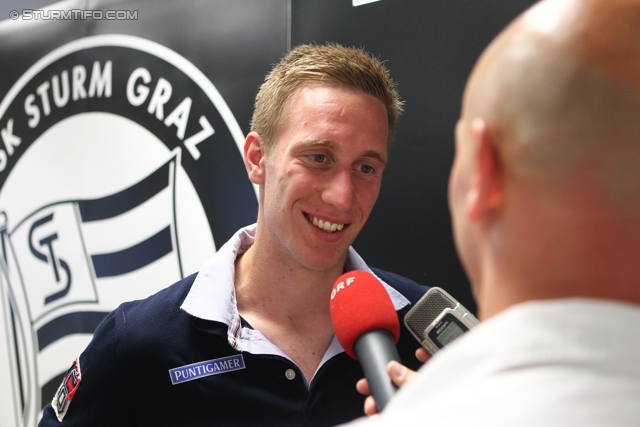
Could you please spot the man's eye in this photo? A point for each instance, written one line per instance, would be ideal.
(319, 158)
(366, 169)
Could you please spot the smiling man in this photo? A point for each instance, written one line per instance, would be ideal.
(249, 340)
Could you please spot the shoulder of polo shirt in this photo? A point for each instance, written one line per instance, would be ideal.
(165, 304)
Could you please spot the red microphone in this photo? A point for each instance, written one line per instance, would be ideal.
(367, 326)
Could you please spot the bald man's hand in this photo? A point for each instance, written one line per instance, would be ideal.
(399, 374)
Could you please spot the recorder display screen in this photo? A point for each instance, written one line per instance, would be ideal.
(448, 329)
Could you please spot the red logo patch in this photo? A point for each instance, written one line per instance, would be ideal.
(67, 390)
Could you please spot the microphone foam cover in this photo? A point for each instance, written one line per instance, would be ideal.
(360, 303)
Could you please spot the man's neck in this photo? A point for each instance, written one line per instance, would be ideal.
(289, 306)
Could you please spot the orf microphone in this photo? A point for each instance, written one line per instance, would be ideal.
(367, 326)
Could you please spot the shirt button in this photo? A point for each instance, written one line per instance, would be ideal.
(290, 374)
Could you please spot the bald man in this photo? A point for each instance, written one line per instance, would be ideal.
(545, 200)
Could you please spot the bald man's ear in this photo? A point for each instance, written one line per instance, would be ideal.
(487, 187)
(254, 157)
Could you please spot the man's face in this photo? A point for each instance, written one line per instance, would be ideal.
(323, 178)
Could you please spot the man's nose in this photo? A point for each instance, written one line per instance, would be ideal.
(340, 191)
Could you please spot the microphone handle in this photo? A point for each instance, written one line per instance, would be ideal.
(375, 349)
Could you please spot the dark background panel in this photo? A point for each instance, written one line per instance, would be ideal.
(430, 47)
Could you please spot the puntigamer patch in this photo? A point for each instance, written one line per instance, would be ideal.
(204, 369)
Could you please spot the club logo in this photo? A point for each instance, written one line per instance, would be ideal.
(120, 171)
(67, 390)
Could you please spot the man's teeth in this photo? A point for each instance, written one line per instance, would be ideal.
(326, 225)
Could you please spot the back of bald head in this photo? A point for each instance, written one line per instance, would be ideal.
(561, 87)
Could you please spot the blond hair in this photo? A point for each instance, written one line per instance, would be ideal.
(329, 65)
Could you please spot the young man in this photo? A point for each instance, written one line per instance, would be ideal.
(545, 200)
(249, 339)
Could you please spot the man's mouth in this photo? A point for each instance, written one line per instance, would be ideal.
(325, 225)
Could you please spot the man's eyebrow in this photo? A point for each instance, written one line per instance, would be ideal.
(329, 144)
(316, 143)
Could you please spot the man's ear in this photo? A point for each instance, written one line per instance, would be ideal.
(487, 186)
(254, 157)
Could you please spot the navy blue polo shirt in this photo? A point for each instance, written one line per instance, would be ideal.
(154, 363)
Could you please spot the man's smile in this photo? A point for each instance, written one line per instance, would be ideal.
(325, 224)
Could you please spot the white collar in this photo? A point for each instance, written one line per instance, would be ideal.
(213, 296)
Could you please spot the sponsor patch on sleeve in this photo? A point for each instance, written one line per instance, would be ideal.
(67, 390)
